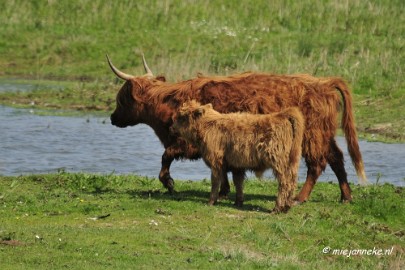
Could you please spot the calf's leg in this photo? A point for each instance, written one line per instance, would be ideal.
(225, 188)
(287, 183)
(238, 177)
(217, 176)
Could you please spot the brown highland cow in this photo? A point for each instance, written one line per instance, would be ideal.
(153, 101)
(237, 142)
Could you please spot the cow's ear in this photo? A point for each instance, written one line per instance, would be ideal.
(161, 78)
(198, 112)
(138, 86)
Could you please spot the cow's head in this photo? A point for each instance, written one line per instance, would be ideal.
(185, 122)
(131, 100)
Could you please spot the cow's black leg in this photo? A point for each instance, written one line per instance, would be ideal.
(164, 175)
(336, 162)
(174, 152)
(171, 153)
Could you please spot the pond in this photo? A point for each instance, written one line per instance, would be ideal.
(31, 144)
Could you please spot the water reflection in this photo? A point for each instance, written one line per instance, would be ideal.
(39, 144)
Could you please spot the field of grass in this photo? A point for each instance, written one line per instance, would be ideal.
(361, 41)
(88, 221)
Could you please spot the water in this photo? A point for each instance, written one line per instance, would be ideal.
(41, 144)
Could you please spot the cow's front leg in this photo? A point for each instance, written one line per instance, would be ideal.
(180, 149)
(164, 175)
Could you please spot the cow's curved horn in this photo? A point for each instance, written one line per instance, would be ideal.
(117, 72)
(147, 69)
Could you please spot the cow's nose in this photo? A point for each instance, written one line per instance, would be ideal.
(113, 121)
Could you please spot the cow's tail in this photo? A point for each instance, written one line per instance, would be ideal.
(349, 129)
(297, 122)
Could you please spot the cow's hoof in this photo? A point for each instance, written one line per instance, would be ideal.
(300, 198)
(170, 185)
(345, 200)
(297, 202)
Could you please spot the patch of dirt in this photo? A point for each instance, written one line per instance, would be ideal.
(13, 243)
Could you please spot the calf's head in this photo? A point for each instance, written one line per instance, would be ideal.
(186, 122)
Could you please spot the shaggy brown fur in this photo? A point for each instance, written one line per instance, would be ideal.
(153, 102)
(242, 141)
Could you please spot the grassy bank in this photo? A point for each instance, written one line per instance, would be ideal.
(361, 41)
(86, 221)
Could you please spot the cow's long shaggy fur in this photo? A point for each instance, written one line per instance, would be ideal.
(153, 102)
(241, 141)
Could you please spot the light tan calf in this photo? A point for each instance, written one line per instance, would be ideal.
(238, 142)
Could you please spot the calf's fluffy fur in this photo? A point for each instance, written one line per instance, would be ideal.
(237, 142)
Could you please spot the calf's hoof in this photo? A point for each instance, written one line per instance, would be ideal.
(211, 202)
(223, 194)
(238, 204)
(280, 209)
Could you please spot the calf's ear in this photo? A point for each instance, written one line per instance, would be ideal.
(198, 112)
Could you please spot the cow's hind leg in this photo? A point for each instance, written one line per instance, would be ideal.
(336, 162)
(314, 171)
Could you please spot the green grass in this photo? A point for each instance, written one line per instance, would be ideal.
(69, 96)
(87, 221)
(361, 41)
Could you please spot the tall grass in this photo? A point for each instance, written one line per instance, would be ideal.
(359, 40)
